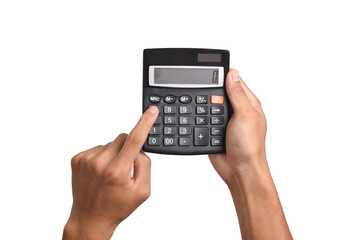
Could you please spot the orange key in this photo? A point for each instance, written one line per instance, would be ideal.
(215, 99)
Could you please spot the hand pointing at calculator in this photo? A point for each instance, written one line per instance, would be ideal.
(105, 193)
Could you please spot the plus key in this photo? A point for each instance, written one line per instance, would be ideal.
(201, 136)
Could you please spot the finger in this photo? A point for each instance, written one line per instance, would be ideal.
(85, 156)
(255, 102)
(138, 135)
(111, 150)
(237, 96)
(142, 170)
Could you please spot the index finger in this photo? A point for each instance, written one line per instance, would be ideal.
(138, 135)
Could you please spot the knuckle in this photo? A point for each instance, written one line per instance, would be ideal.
(110, 175)
(123, 135)
(75, 160)
(144, 193)
(95, 166)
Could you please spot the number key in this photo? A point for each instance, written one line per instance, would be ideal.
(169, 120)
(155, 131)
(184, 120)
(169, 141)
(169, 130)
(170, 109)
(185, 109)
(184, 130)
(154, 141)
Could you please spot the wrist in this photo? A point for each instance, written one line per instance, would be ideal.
(250, 177)
(88, 229)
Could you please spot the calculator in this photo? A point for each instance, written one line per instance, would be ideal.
(188, 87)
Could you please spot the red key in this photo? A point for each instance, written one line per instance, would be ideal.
(215, 99)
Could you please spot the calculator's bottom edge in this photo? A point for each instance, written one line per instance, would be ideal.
(183, 152)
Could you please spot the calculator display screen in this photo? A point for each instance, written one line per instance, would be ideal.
(186, 76)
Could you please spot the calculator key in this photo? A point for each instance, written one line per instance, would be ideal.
(202, 99)
(155, 131)
(185, 109)
(217, 131)
(169, 130)
(154, 141)
(201, 136)
(156, 106)
(184, 141)
(185, 99)
(169, 120)
(169, 141)
(217, 120)
(217, 141)
(217, 110)
(184, 120)
(215, 99)
(202, 110)
(170, 109)
(202, 120)
(154, 99)
(170, 99)
(184, 130)
(158, 120)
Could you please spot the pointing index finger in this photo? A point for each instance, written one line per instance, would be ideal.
(138, 135)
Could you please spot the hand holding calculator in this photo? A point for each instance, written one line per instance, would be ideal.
(188, 87)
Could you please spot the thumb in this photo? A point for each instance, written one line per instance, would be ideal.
(237, 96)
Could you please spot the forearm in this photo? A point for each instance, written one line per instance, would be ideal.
(257, 204)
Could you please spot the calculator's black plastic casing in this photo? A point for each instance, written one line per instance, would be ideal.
(183, 57)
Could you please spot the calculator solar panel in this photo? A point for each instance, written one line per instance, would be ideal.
(188, 87)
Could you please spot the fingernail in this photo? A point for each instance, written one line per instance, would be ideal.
(235, 77)
(153, 109)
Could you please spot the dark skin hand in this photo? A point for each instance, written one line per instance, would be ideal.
(105, 193)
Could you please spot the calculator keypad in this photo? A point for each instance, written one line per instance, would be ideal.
(186, 120)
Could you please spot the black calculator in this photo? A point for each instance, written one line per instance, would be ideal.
(188, 87)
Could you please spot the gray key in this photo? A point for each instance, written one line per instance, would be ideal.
(184, 130)
(170, 109)
(217, 141)
(169, 141)
(185, 99)
(202, 120)
(201, 110)
(155, 106)
(185, 109)
(184, 141)
(217, 131)
(201, 136)
(170, 99)
(154, 141)
(217, 110)
(154, 99)
(217, 120)
(169, 130)
(155, 131)
(184, 120)
(201, 99)
(169, 120)
(158, 120)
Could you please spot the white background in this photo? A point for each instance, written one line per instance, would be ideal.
(71, 78)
